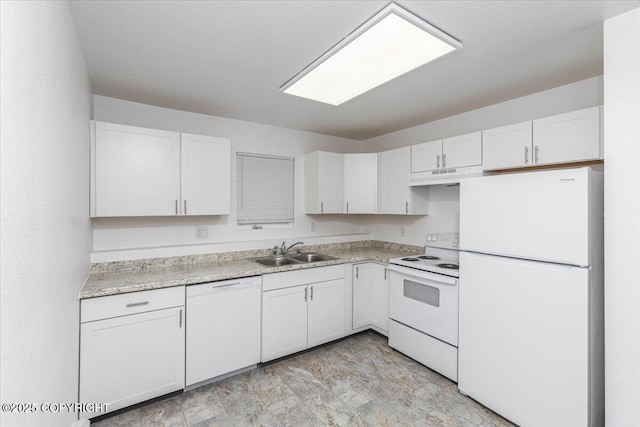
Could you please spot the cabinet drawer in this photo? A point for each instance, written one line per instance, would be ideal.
(130, 303)
(301, 277)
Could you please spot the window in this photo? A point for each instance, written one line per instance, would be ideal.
(265, 189)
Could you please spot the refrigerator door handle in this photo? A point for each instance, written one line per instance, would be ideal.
(548, 265)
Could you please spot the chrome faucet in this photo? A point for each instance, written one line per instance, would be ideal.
(284, 249)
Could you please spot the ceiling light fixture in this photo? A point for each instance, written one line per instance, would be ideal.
(391, 43)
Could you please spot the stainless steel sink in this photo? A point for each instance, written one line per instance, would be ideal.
(312, 257)
(271, 261)
(302, 258)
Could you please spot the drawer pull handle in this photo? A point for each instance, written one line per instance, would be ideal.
(137, 304)
(311, 293)
(180, 326)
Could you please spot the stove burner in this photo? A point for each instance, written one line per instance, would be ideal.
(449, 266)
(429, 257)
(410, 259)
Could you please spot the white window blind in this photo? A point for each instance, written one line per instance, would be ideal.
(265, 189)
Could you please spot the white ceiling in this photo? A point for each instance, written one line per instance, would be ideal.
(229, 58)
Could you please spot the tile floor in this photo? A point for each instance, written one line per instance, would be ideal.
(358, 381)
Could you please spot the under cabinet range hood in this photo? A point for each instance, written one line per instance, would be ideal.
(449, 176)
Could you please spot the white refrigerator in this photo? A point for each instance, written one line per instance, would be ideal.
(531, 340)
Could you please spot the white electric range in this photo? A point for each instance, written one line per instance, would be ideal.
(423, 304)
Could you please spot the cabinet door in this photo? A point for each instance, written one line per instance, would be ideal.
(394, 174)
(137, 171)
(507, 146)
(206, 175)
(380, 297)
(129, 359)
(284, 322)
(362, 298)
(567, 137)
(330, 182)
(461, 151)
(326, 311)
(361, 183)
(426, 157)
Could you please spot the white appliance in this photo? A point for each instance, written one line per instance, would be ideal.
(444, 176)
(223, 328)
(423, 305)
(531, 296)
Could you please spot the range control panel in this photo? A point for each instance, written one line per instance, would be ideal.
(443, 240)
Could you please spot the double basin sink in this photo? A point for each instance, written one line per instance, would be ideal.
(301, 258)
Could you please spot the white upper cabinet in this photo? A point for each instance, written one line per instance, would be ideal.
(205, 175)
(459, 151)
(323, 179)
(568, 137)
(426, 157)
(148, 172)
(135, 171)
(361, 183)
(507, 146)
(394, 194)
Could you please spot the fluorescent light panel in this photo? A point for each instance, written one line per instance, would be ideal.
(390, 44)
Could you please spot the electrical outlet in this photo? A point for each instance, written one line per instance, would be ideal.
(402, 230)
(313, 226)
(202, 232)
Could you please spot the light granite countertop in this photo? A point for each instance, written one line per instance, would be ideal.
(140, 275)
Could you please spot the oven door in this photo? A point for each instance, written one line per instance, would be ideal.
(425, 301)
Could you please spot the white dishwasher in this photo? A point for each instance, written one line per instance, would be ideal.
(222, 328)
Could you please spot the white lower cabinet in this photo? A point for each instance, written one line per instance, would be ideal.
(132, 347)
(370, 285)
(301, 309)
(325, 310)
(284, 322)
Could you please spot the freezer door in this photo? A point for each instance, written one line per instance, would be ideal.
(524, 339)
(540, 215)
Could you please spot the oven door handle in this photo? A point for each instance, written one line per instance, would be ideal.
(421, 276)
